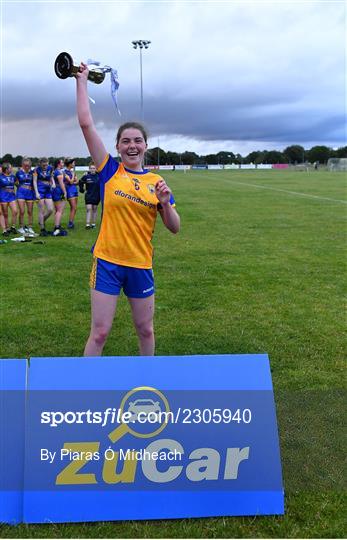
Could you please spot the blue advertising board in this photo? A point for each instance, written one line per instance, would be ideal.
(13, 376)
(115, 438)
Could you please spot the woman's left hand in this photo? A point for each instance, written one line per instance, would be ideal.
(163, 192)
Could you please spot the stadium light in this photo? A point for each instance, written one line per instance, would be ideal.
(141, 44)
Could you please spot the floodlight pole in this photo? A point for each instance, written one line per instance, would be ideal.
(141, 44)
(141, 79)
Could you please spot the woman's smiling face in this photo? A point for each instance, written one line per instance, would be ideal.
(132, 147)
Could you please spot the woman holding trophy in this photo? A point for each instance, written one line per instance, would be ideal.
(131, 197)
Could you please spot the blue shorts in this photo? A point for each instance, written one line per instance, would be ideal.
(44, 190)
(110, 278)
(57, 194)
(71, 191)
(25, 194)
(7, 196)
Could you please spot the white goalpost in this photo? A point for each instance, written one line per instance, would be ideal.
(337, 164)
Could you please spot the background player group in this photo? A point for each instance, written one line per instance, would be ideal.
(51, 187)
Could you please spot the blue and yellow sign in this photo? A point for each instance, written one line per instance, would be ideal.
(149, 438)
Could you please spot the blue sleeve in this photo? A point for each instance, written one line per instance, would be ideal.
(172, 202)
(107, 169)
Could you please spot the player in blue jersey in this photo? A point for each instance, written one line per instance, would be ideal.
(59, 197)
(71, 183)
(8, 198)
(43, 184)
(2, 219)
(25, 195)
(90, 183)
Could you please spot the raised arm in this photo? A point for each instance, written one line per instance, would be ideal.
(95, 145)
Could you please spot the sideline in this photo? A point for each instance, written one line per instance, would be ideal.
(289, 192)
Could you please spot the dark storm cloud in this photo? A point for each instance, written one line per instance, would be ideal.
(263, 115)
(227, 71)
(224, 121)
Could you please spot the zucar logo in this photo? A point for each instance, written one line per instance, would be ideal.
(163, 460)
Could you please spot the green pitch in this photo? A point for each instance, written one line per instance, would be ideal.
(259, 266)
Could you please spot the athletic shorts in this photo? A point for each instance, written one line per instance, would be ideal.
(57, 194)
(71, 192)
(110, 278)
(25, 194)
(91, 200)
(44, 190)
(7, 196)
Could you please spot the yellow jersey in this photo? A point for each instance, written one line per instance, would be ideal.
(129, 212)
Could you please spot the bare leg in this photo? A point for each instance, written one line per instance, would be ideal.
(14, 212)
(103, 311)
(21, 205)
(29, 205)
(73, 209)
(41, 203)
(94, 212)
(2, 220)
(48, 210)
(143, 312)
(59, 209)
(4, 207)
(88, 213)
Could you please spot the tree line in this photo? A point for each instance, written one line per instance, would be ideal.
(292, 154)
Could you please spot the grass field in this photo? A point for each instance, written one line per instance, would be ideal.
(259, 266)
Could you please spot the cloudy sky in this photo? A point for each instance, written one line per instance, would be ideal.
(219, 75)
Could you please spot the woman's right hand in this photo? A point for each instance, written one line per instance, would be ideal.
(83, 72)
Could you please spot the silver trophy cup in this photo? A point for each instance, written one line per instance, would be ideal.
(64, 67)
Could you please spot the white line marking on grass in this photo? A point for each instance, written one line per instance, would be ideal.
(289, 192)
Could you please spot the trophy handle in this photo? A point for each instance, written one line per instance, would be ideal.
(64, 68)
